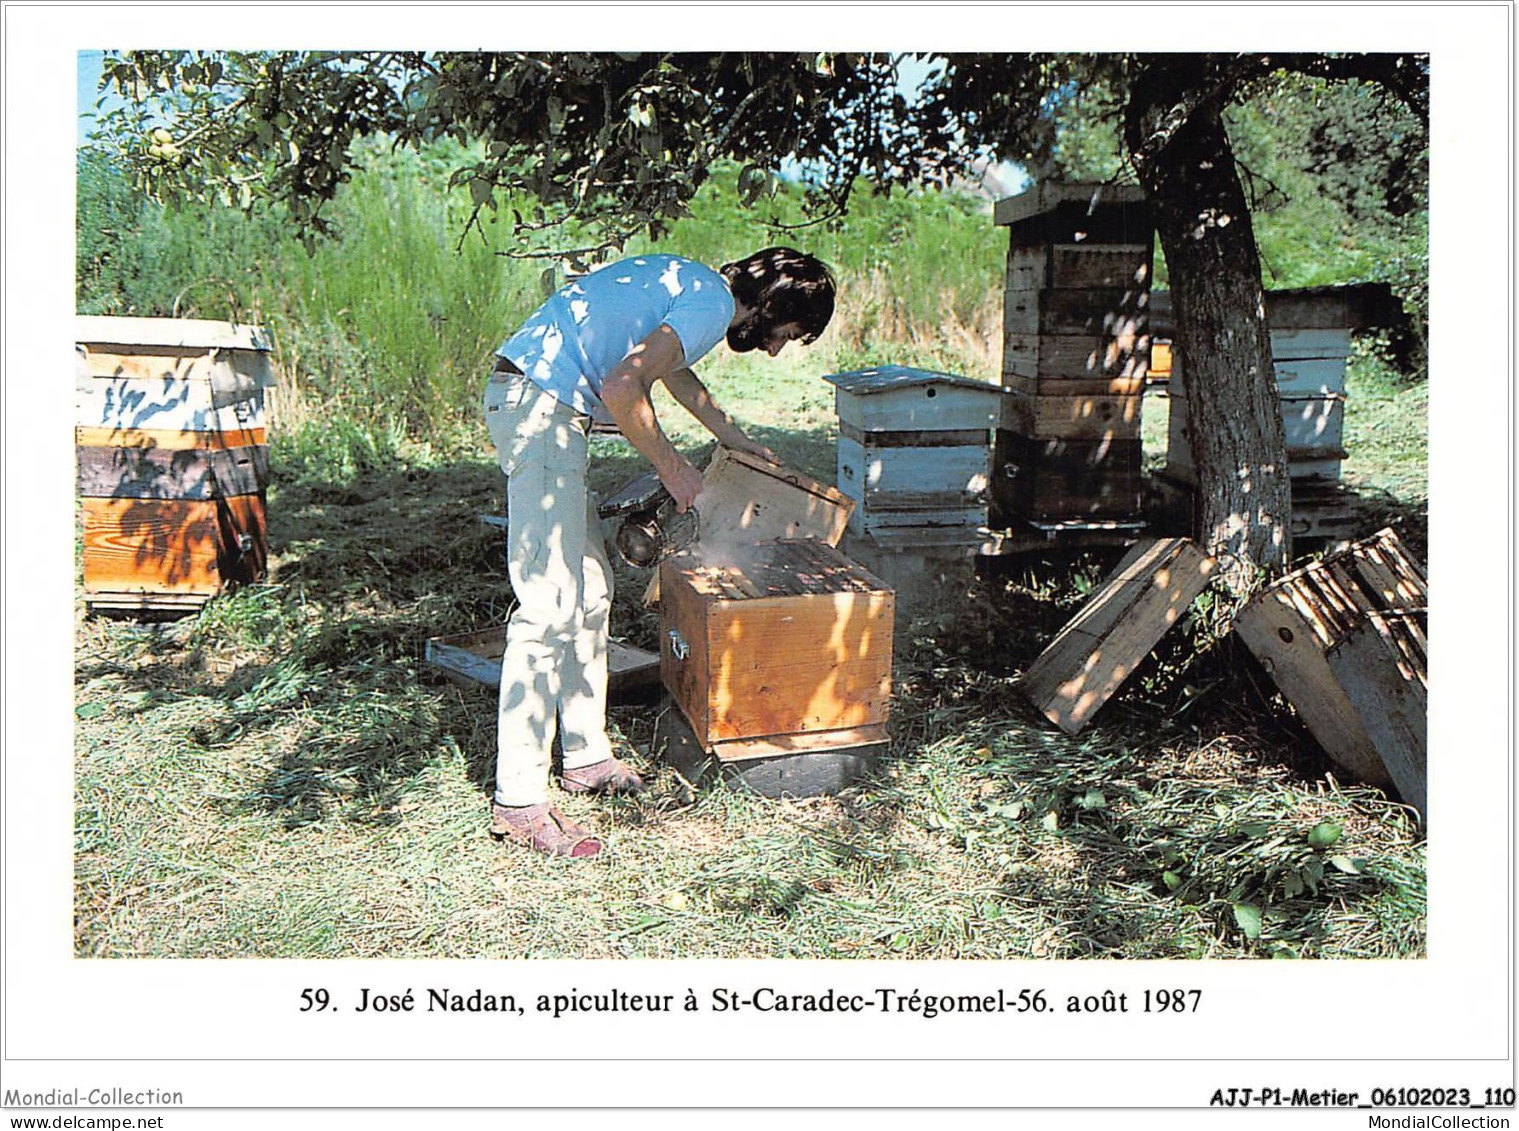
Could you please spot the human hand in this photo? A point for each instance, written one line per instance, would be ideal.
(755, 449)
(683, 482)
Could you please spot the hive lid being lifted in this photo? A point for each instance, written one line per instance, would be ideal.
(889, 378)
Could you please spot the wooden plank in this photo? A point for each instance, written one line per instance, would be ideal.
(1055, 478)
(129, 403)
(1284, 638)
(187, 333)
(1091, 657)
(474, 658)
(162, 473)
(1382, 668)
(683, 654)
(937, 407)
(180, 545)
(1104, 386)
(882, 523)
(1318, 376)
(1292, 344)
(746, 501)
(888, 478)
(1075, 356)
(1111, 310)
(919, 437)
(102, 600)
(1088, 199)
(1079, 267)
(231, 375)
(790, 745)
(168, 439)
(1314, 427)
(1313, 423)
(1075, 418)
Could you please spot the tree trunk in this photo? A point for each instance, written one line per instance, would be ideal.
(1239, 447)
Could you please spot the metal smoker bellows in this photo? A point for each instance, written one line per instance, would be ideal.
(650, 528)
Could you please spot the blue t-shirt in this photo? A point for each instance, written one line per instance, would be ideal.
(580, 334)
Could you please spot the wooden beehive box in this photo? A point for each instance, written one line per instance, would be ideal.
(1055, 479)
(172, 459)
(1120, 624)
(783, 648)
(1344, 641)
(914, 449)
(1076, 352)
(1311, 331)
(746, 500)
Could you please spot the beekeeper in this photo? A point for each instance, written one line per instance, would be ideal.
(594, 351)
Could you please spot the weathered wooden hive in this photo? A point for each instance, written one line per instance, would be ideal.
(1344, 639)
(1076, 350)
(172, 459)
(780, 650)
(914, 453)
(1310, 330)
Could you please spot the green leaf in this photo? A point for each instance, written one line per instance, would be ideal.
(89, 710)
(1248, 916)
(1171, 880)
(1292, 885)
(1346, 865)
(1093, 799)
(1324, 834)
(1051, 821)
(1255, 829)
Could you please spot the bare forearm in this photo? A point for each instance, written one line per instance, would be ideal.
(692, 395)
(625, 392)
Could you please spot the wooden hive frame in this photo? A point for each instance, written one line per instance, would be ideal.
(1344, 640)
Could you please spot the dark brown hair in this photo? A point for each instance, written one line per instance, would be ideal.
(782, 285)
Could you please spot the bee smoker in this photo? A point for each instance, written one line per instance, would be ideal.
(650, 528)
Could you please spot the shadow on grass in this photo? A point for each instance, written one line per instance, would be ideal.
(321, 666)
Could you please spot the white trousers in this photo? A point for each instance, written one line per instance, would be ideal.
(554, 669)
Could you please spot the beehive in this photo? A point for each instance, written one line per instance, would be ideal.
(781, 647)
(1311, 332)
(172, 459)
(914, 451)
(1076, 348)
(1344, 639)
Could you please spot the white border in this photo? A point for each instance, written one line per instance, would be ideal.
(1442, 1021)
